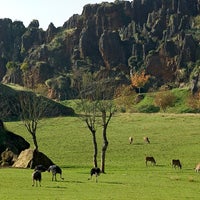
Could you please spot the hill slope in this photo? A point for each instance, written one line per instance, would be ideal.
(10, 104)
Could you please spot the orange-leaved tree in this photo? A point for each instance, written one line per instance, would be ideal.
(139, 79)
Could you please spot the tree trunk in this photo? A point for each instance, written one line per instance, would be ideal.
(104, 148)
(95, 149)
(35, 141)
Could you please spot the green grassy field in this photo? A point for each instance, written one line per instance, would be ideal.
(68, 143)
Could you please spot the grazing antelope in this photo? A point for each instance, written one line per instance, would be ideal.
(197, 168)
(176, 163)
(130, 140)
(146, 139)
(36, 176)
(150, 159)
(94, 171)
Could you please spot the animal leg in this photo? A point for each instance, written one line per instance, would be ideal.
(61, 177)
(96, 177)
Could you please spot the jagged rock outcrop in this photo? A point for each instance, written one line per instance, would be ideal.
(162, 35)
(111, 49)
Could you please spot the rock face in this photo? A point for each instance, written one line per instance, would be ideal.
(11, 142)
(161, 35)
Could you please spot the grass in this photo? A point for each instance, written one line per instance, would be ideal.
(67, 141)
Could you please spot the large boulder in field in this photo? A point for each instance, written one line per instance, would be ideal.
(29, 158)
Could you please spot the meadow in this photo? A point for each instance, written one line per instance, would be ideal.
(68, 142)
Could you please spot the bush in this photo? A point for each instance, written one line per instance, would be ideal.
(148, 109)
(165, 99)
(194, 102)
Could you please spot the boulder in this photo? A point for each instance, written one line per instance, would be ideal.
(8, 158)
(29, 158)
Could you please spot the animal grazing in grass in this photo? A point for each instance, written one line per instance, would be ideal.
(197, 168)
(36, 177)
(55, 170)
(146, 139)
(40, 168)
(130, 140)
(176, 163)
(94, 171)
(150, 159)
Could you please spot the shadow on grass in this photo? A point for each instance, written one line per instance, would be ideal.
(159, 165)
(112, 182)
(57, 187)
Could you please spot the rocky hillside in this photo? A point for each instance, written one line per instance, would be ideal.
(161, 37)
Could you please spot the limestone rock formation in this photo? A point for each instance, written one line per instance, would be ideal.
(162, 35)
(29, 158)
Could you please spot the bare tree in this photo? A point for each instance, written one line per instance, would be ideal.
(98, 94)
(90, 110)
(107, 108)
(88, 106)
(32, 108)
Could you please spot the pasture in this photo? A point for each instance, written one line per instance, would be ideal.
(68, 142)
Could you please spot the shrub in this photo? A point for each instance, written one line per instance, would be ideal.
(164, 99)
(194, 102)
(148, 109)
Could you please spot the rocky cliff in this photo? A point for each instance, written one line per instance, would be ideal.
(161, 37)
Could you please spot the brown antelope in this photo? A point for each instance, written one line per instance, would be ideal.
(150, 159)
(176, 163)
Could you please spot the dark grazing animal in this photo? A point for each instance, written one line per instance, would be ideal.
(55, 170)
(94, 171)
(150, 159)
(40, 168)
(36, 176)
(176, 163)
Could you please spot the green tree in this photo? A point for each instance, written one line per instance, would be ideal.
(12, 69)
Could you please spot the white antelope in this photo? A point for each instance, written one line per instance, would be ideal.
(197, 168)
